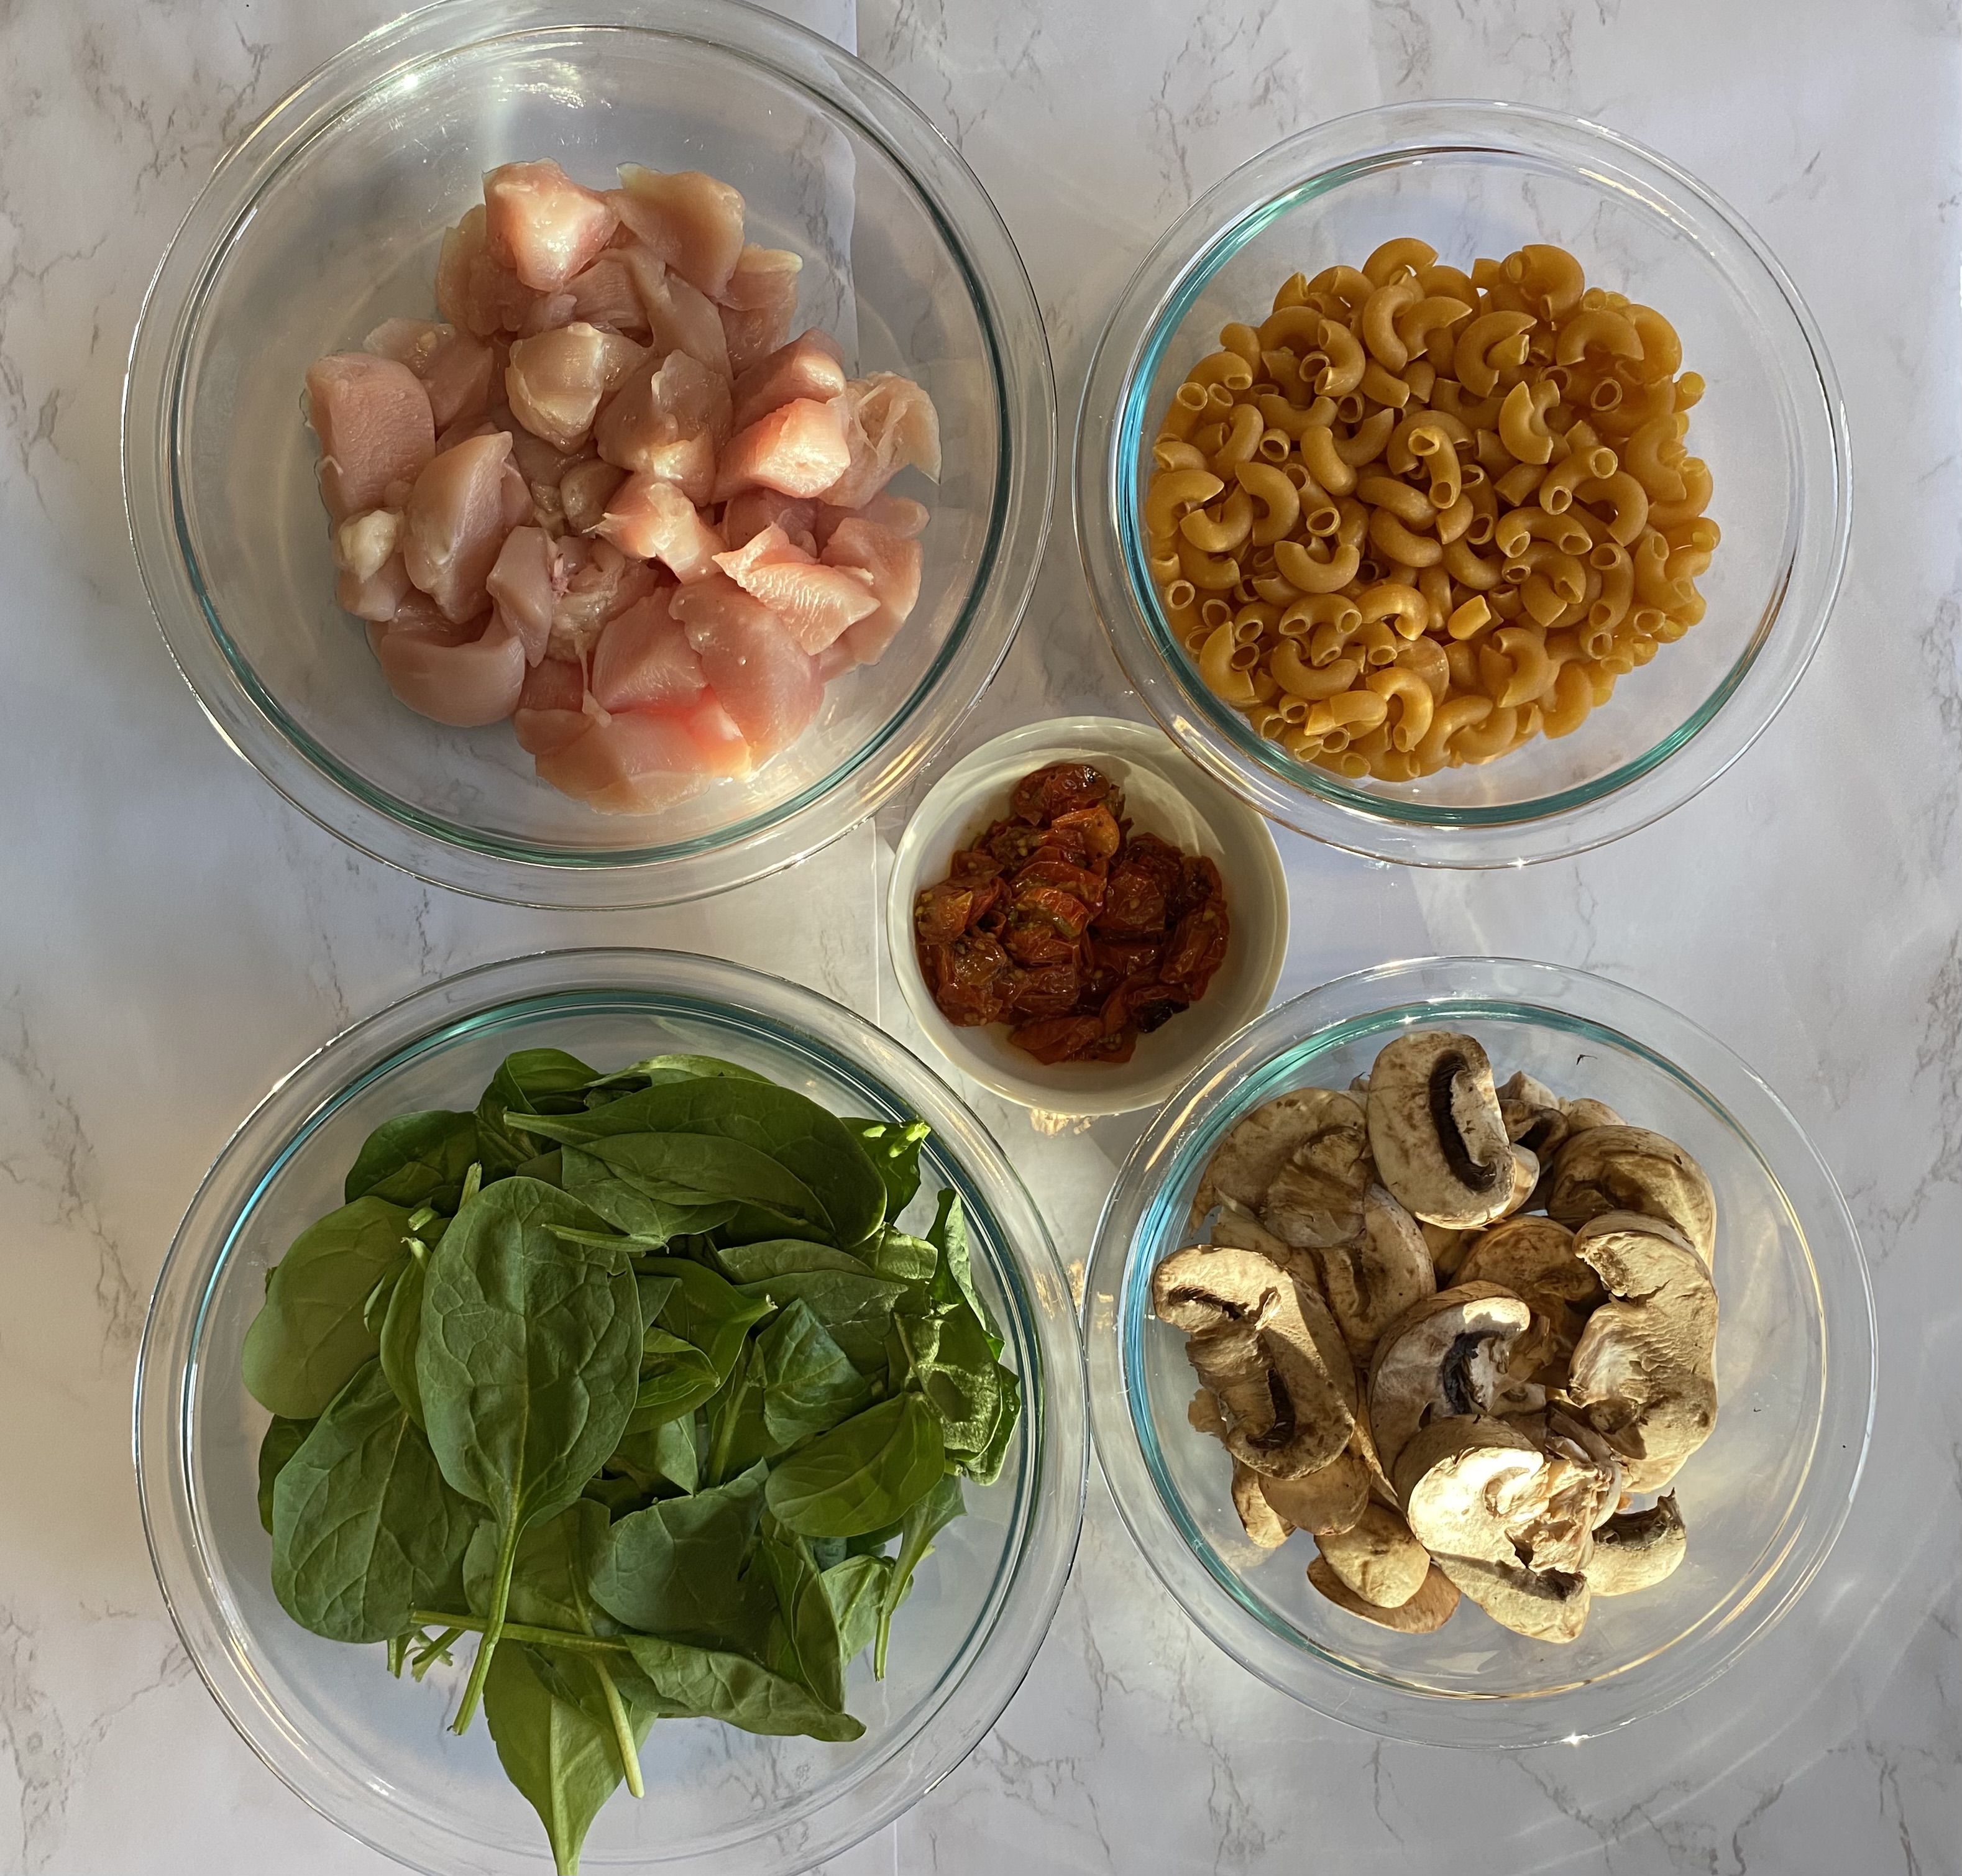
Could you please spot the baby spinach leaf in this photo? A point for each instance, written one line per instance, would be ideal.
(954, 1277)
(675, 1568)
(944, 1352)
(905, 1260)
(547, 1168)
(855, 1310)
(616, 1496)
(565, 1763)
(626, 1203)
(706, 1310)
(860, 1475)
(873, 1542)
(416, 1159)
(533, 1081)
(638, 1076)
(653, 1292)
(893, 1147)
(676, 1378)
(778, 1256)
(365, 1530)
(714, 1685)
(807, 1385)
(375, 1309)
(857, 1590)
(692, 1171)
(805, 1643)
(401, 1332)
(550, 1585)
(665, 1455)
(308, 1337)
(985, 1467)
(924, 1522)
(283, 1438)
(528, 1365)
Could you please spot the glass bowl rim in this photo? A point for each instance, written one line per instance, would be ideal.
(176, 308)
(990, 1663)
(1254, 1064)
(1110, 431)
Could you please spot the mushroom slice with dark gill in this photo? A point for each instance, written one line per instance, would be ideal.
(1436, 1131)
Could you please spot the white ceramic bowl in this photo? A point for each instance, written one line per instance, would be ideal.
(1164, 794)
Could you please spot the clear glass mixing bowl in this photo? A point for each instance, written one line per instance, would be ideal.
(1481, 179)
(326, 218)
(372, 1754)
(1764, 1499)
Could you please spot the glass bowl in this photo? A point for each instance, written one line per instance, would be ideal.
(372, 1755)
(1481, 179)
(1764, 1499)
(326, 218)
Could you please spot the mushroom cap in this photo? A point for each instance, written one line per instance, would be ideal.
(1436, 1130)
(1325, 1501)
(1533, 1257)
(1542, 1604)
(1285, 1412)
(1433, 1605)
(1619, 1168)
(1534, 1115)
(1583, 1113)
(1446, 1356)
(1636, 1549)
(1378, 1557)
(1447, 1244)
(1372, 1281)
(1252, 1155)
(1643, 1371)
(1236, 1228)
(1262, 1523)
(1315, 1197)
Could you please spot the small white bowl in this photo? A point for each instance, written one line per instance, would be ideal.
(1164, 794)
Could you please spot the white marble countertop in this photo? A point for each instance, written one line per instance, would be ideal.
(172, 937)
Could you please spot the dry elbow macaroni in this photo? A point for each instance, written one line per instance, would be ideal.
(1415, 517)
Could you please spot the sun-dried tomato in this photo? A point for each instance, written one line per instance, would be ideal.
(1062, 921)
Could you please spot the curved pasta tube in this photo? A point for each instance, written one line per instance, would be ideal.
(1244, 428)
(1327, 642)
(1313, 611)
(1409, 505)
(1697, 491)
(1171, 494)
(1441, 277)
(1298, 328)
(1643, 459)
(1187, 407)
(1628, 409)
(1359, 712)
(1218, 671)
(1465, 567)
(1427, 657)
(1377, 323)
(1220, 533)
(1515, 529)
(1662, 349)
(1699, 531)
(1346, 365)
(1689, 389)
(1473, 616)
(1488, 738)
(1391, 599)
(1168, 453)
(1618, 585)
(1386, 387)
(1533, 672)
(1309, 575)
(1277, 414)
(1370, 440)
(1572, 703)
(1401, 451)
(1349, 285)
(1434, 448)
(1520, 484)
(1163, 566)
(1435, 312)
(1379, 644)
(1292, 292)
(1237, 336)
(1319, 451)
(1624, 495)
(1210, 572)
(1352, 528)
(1275, 447)
(1279, 499)
(1595, 463)
(1448, 719)
(1453, 521)
(1420, 375)
(1324, 520)
(1406, 251)
(1522, 422)
(1654, 585)
(1415, 704)
(1435, 584)
(1602, 330)
(1254, 621)
(1561, 571)
(1294, 675)
(1550, 274)
(1224, 368)
(1389, 535)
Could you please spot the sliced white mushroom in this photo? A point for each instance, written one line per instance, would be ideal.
(1372, 1281)
(1533, 1257)
(1436, 1130)
(1636, 1549)
(1449, 1357)
(1316, 1197)
(1643, 1371)
(1285, 1412)
(1458, 1479)
(1448, 1245)
(1535, 1118)
(1617, 1168)
(1236, 1228)
(1246, 1163)
(1262, 1523)
(1433, 1605)
(1331, 1499)
(1582, 1114)
(1378, 1557)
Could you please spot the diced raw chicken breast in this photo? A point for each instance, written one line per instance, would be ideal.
(464, 428)
(548, 312)
(472, 290)
(584, 490)
(644, 660)
(767, 685)
(537, 460)
(517, 507)
(377, 596)
(604, 295)
(810, 367)
(630, 763)
(891, 562)
(521, 584)
(409, 342)
(551, 710)
(759, 303)
(655, 520)
(463, 682)
(456, 377)
(798, 450)
(363, 542)
(543, 225)
(814, 602)
(599, 581)
(667, 419)
(723, 750)
(897, 514)
(680, 318)
(372, 417)
(835, 660)
(555, 380)
(747, 515)
(890, 424)
(456, 524)
(694, 223)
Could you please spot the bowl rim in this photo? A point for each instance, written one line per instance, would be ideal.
(506, 868)
(1048, 740)
(1445, 989)
(991, 1663)
(1110, 434)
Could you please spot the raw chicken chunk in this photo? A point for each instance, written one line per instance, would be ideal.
(522, 585)
(746, 515)
(814, 603)
(551, 711)
(457, 376)
(372, 417)
(461, 680)
(668, 418)
(455, 524)
(409, 342)
(680, 318)
(654, 520)
(720, 743)
(810, 366)
(759, 303)
(604, 295)
(472, 290)
(890, 424)
(629, 764)
(768, 686)
(891, 563)
(584, 490)
(692, 221)
(644, 660)
(542, 225)
(798, 450)
(556, 380)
